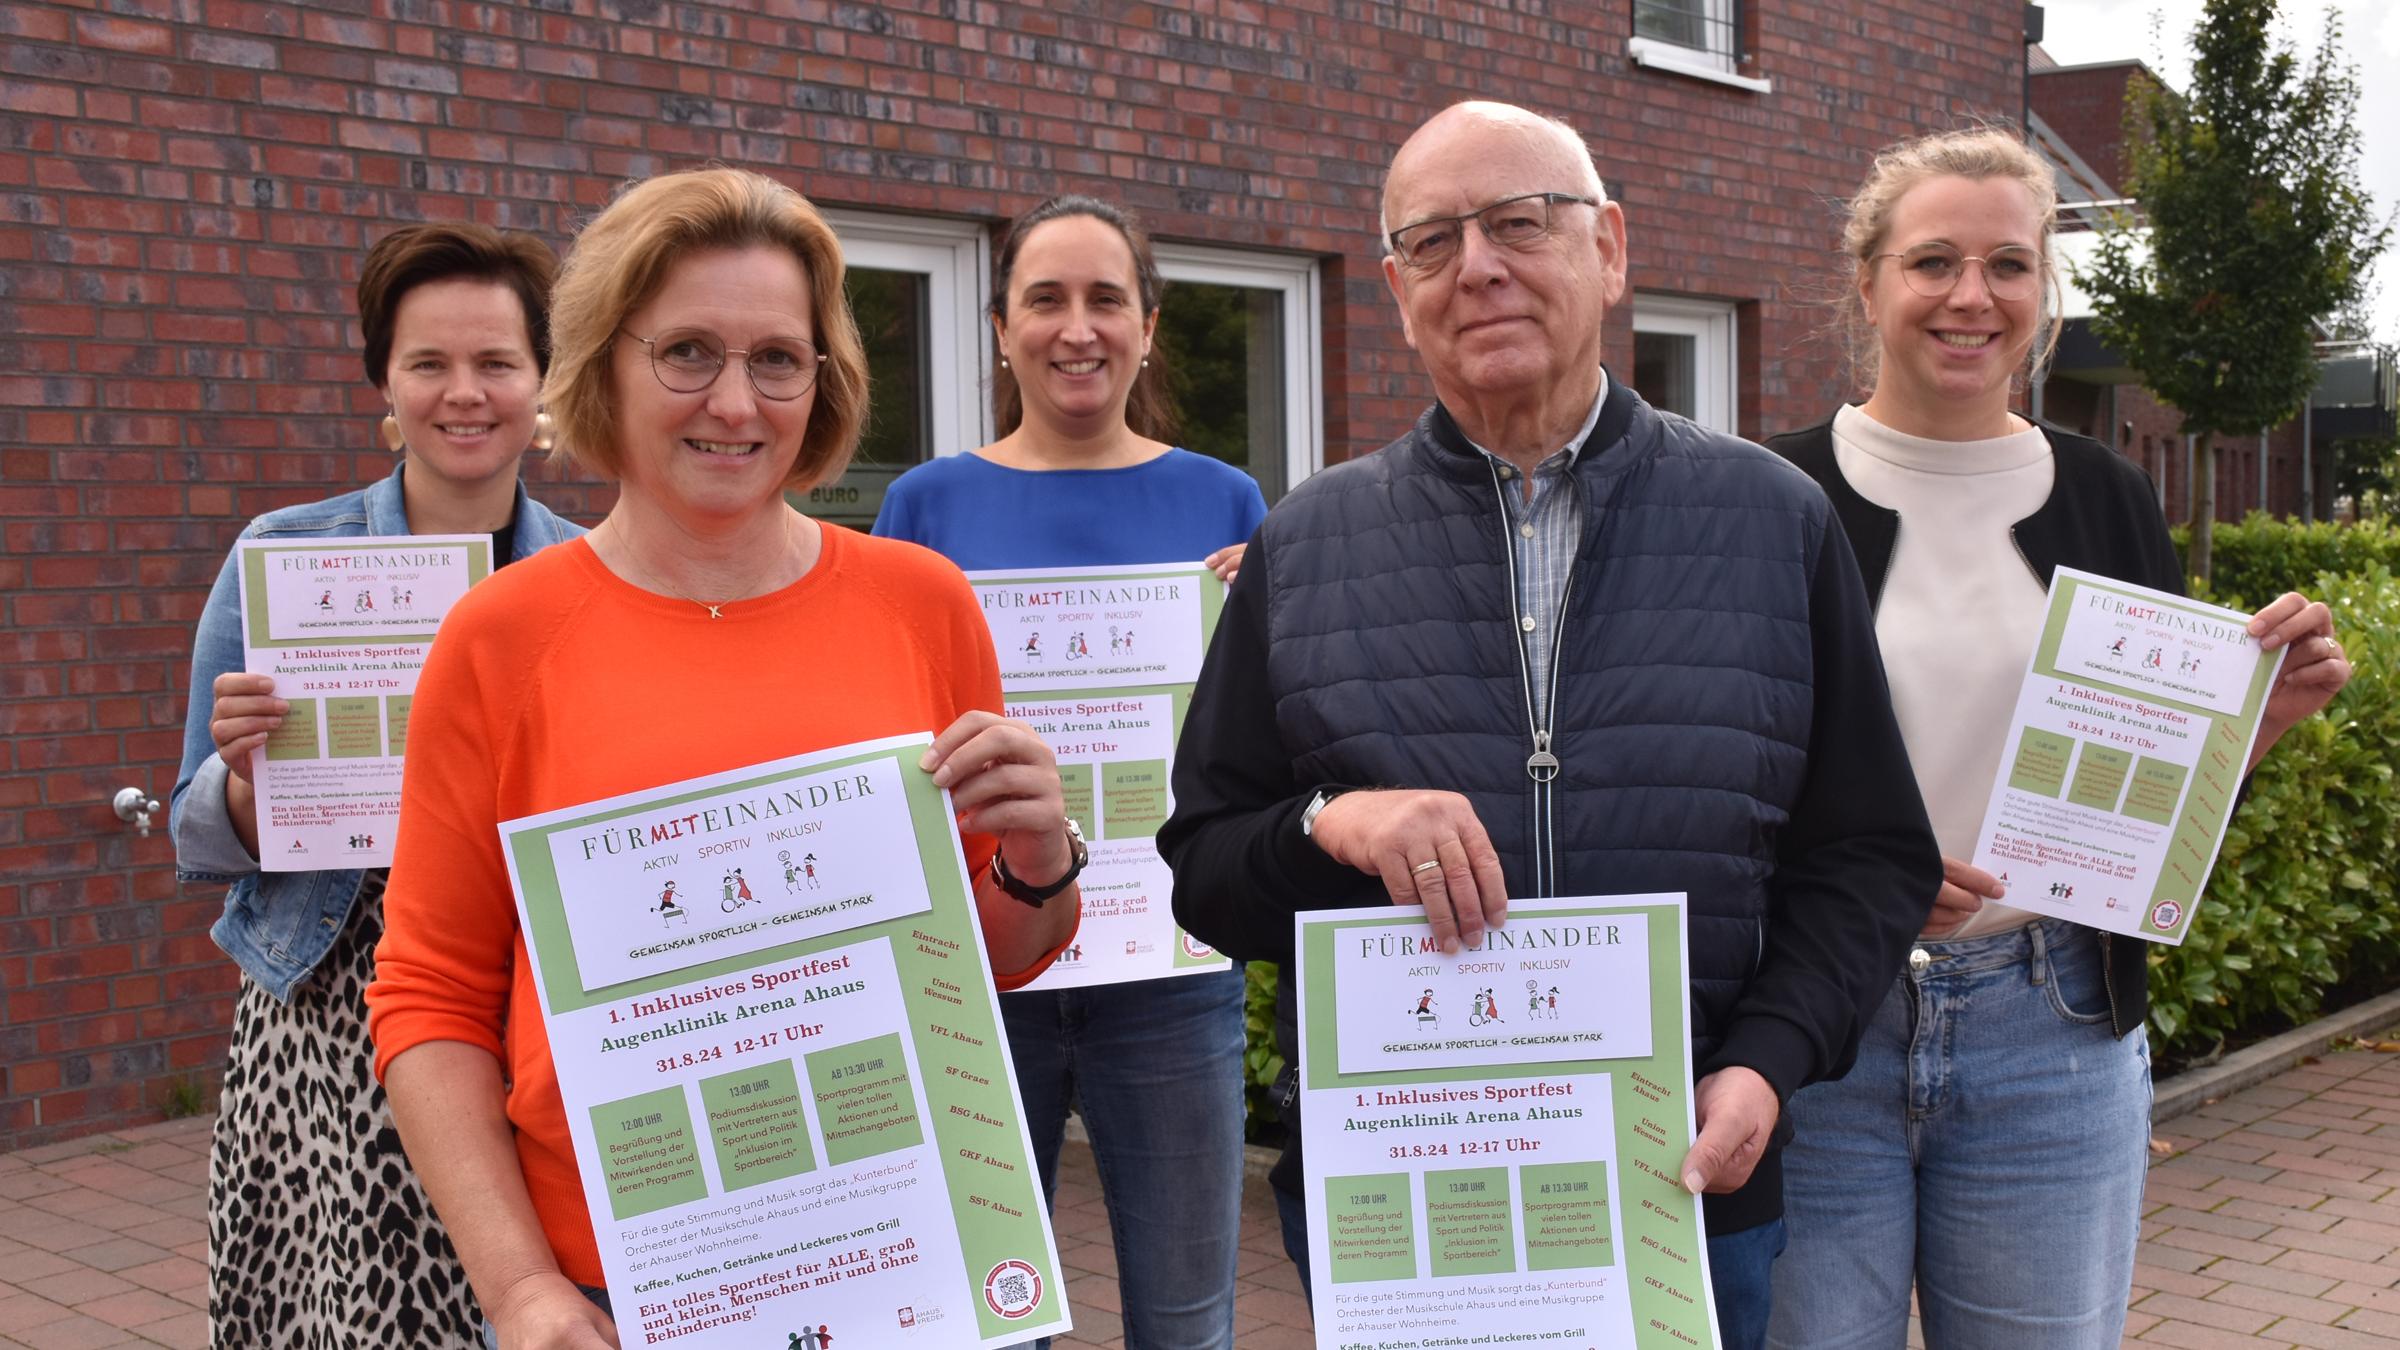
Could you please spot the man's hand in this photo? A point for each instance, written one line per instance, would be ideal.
(1429, 849)
(1737, 1111)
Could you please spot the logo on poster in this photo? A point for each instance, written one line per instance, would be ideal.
(2166, 915)
(1196, 949)
(1013, 1289)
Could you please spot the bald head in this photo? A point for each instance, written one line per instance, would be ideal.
(1544, 138)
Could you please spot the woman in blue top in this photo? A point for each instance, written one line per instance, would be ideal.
(1081, 479)
(319, 1233)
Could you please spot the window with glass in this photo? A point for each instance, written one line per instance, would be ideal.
(1709, 32)
(916, 286)
(1684, 360)
(1238, 332)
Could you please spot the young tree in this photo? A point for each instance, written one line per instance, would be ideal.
(2256, 230)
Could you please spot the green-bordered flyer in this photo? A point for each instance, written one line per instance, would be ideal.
(2124, 756)
(342, 626)
(1493, 1136)
(1100, 662)
(780, 1053)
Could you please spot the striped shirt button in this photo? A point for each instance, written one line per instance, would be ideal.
(1526, 623)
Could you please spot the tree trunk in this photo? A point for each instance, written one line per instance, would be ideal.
(2204, 504)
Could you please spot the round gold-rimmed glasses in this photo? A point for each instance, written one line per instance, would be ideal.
(2010, 272)
(688, 360)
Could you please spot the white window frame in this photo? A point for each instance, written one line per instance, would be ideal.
(1295, 278)
(955, 258)
(1716, 380)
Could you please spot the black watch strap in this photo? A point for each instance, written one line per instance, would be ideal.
(1077, 855)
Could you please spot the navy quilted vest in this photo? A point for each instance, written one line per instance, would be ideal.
(1684, 694)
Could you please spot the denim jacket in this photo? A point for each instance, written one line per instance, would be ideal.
(279, 925)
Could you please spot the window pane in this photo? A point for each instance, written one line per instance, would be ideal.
(893, 310)
(1666, 371)
(1224, 351)
(1682, 22)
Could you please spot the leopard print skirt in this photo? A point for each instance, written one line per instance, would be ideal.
(319, 1235)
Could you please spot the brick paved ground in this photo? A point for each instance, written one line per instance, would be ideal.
(2274, 1222)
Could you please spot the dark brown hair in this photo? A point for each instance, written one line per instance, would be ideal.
(451, 250)
(1149, 408)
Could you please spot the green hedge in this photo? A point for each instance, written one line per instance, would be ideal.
(2263, 557)
(2301, 900)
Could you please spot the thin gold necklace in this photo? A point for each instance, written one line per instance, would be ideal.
(716, 610)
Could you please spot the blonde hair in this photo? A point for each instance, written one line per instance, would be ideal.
(623, 257)
(1973, 153)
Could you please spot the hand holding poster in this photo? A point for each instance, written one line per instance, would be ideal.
(342, 626)
(1100, 662)
(1493, 1136)
(2128, 745)
(780, 1054)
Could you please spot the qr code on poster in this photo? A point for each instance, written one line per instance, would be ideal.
(1013, 1289)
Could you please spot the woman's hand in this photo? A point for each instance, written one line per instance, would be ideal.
(1964, 889)
(1225, 562)
(246, 711)
(1004, 782)
(547, 1312)
(2314, 672)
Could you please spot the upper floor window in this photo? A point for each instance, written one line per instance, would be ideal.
(1700, 38)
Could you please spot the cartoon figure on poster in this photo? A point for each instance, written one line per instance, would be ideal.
(666, 909)
(1424, 1013)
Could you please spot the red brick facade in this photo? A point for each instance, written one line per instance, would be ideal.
(186, 198)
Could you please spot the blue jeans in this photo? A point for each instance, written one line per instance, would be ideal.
(1988, 1149)
(1155, 1068)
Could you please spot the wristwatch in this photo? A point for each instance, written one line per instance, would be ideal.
(1316, 806)
(1077, 856)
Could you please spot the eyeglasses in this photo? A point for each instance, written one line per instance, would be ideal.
(2011, 272)
(1519, 222)
(688, 360)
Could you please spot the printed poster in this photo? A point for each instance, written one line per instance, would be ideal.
(343, 626)
(1101, 661)
(1493, 1136)
(2131, 732)
(780, 1052)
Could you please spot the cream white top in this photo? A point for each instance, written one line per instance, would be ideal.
(1961, 609)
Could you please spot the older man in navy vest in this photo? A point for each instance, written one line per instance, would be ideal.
(1554, 642)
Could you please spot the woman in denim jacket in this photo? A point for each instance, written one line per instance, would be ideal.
(319, 1233)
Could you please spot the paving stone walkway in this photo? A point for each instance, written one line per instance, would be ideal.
(2274, 1220)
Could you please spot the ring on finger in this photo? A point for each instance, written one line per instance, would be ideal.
(1429, 865)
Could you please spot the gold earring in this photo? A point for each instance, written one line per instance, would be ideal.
(545, 431)
(392, 439)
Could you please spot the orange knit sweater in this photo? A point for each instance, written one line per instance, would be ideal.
(555, 683)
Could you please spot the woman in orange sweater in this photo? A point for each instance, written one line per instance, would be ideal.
(703, 357)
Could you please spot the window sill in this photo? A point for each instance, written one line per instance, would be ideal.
(1676, 60)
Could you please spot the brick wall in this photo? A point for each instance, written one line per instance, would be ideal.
(184, 196)
(2085, 105)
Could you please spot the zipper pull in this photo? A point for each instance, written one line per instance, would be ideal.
(1541, 766)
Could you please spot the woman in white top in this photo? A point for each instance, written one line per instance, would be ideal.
(1987, 1150)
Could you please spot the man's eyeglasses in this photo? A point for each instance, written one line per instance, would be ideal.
(2011, 272)
(1519, 222)
(688, 360)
